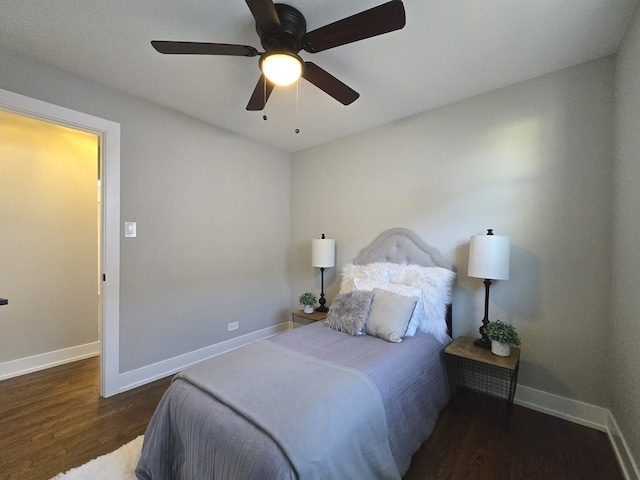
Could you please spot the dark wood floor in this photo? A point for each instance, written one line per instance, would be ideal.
(469, 442)
(54, 420)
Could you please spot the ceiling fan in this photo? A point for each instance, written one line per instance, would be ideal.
(283, 33)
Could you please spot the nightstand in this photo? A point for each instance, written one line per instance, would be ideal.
(475, 368)
(300, 319)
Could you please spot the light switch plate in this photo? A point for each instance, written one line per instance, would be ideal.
(129, 229)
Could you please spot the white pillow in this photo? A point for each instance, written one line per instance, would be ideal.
(389, 315)
(379, 272)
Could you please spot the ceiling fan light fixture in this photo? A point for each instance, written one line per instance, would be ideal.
(281, 68)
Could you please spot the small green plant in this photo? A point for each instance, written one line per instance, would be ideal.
(503, 332)
(308, 299)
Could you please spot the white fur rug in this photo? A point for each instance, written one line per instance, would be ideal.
(117, 465)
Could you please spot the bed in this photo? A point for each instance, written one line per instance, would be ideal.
(354, 396)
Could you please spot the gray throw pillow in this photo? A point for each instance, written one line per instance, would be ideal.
(349, 312)
(389, 315)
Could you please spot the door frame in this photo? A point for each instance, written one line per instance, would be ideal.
(108, 133)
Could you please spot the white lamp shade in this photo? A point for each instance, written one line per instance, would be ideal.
(489, 257)
(323, 252)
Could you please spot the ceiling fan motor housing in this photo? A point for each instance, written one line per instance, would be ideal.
(288, 38)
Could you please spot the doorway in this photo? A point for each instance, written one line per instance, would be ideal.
(49, 211)
(108, 136)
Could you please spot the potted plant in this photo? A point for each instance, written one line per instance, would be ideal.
(308, 299)
(502, 336)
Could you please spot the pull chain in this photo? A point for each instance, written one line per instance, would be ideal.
(264, 90)
(297, 130)
(264, 109)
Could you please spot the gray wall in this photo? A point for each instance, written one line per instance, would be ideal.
(212, 211)
(626, 260)
(533, 161)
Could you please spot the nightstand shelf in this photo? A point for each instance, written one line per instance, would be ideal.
(300, 319)
(477, 369)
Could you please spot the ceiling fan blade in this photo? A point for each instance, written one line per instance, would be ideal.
(384, 18)
(329, 84)
(264, 11)
(260, 94)
(197, 48)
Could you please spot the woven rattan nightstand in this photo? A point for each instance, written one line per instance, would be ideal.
(477, 369)
(300, 319)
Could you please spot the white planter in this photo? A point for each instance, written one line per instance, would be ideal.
(500, 349)
(308, 309)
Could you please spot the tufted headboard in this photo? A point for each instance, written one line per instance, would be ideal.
(403, 246)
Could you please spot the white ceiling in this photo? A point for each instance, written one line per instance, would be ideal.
(449, 50)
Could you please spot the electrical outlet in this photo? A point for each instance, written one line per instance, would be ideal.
(233, 326)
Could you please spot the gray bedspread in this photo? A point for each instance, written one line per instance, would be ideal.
(353, 435)
(194, 436)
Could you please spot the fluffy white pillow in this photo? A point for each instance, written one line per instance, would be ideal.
(389, 315)
(379, 272)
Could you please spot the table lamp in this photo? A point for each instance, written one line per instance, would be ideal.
(323, 255)
(488, 259)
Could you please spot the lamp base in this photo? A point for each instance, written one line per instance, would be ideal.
(483, 342)
(322, 300)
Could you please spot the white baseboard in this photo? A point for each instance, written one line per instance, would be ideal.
(584, 414)
(149, 373)
(22, 366)
(557, 406)
(628, 464)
